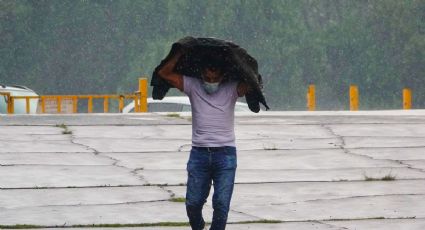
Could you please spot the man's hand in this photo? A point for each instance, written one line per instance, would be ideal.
(243, 89)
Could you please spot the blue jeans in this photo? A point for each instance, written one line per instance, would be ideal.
(204, 167)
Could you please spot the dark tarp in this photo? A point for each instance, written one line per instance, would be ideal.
(237, 65)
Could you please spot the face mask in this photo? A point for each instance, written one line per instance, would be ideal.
(210, 88)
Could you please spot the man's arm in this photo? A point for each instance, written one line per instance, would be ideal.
(167, 73)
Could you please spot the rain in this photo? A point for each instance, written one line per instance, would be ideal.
(102, 46)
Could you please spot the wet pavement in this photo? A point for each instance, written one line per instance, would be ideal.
(296, 170)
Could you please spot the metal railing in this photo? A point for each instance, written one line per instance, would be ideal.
(139, 97)
(354, 98)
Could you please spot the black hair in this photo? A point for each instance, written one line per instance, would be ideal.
(213, 61)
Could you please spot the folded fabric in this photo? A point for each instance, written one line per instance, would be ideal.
(237, 65)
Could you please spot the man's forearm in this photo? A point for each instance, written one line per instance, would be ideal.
(167, 73)
(168, 68)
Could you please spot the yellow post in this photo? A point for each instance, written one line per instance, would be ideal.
(43, 104)
(407, 98)
(11, 105)
(7, 98)
(143, 90)
(105, 104)
(311, 97)
(121, 103)
(136, 104)
(59, 104)
(354, 98)
(74, 104)
(27, 103)
(90, 104)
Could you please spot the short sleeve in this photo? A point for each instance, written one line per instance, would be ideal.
(234, 89)
(188, 84)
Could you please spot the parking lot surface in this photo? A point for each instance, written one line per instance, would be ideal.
(296, 170)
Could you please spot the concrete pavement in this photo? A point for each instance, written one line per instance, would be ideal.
(296, 170)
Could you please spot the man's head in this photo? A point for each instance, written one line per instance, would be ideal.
(212, 68)
(212, 75)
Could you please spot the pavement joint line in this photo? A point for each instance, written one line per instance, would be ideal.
(47, 165)
(393, 147)
(81, 187)
(242, 150)
(374, 218)
(329, 181)
(83, 145)
(30, 141)
(400, 162)
(183, 184)
(246, 214)
(169, 191)
(94, 125)
(97, 153)
(90, 205)
(348, 197)
(237, 122)
(410, 166)
(116, 164)
(184, 224)
(347, 151)
(115, 160)
(330, 225)
(292, 169)
(326, 123)
(180, 149)
(133, 138)
(139, 176)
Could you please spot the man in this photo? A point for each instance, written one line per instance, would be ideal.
(213, 154)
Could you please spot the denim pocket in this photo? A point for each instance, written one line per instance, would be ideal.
(197, 160)
(225, 160)
(230, 150)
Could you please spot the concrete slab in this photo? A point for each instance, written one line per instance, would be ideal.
(316, 161)
(151, 160)
(176, 177)
(289, 143)
(254, 226)
(333, 117)
(21, 198)
(399, 153)
(25, 130)
(258, 159)
(133, 145)
(387, 206)
(417, 164)
(91, 119)
(379, 130)
(34, 146)
(381, 224)
(387, 224)
(282, 193)
(383, 142)
(35, 137)
(155, 132)
(133, 213)
(162, 145)
(284, 226)
(31, 176)
(281, 131)
(307, 159)
(53, 159)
